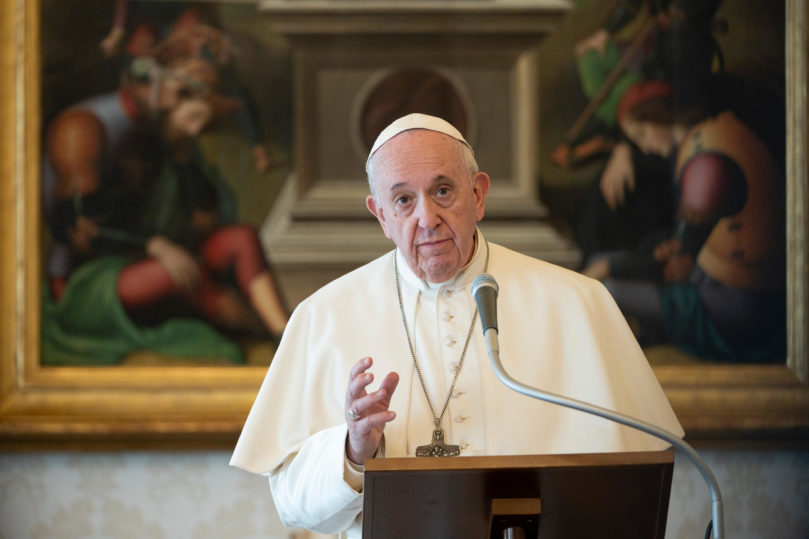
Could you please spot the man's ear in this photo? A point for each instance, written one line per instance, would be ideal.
(481, 188)
(378, 211)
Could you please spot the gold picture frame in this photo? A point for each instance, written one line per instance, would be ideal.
(206, 405)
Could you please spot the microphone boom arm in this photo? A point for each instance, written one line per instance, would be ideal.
(492, 345)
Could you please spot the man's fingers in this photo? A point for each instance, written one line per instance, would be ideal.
(357, 382)
(389, 384)
(390, 381)
(361, 401)
(356, 388)
(367, 413)
(364, 403)
(378, 420)
(369, 423)
(362, 365)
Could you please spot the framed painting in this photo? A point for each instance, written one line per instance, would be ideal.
(157, 131)
(152, 399)
(614, 66)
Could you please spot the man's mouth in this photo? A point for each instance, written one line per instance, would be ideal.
(433, 243)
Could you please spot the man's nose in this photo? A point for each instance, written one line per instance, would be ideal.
(427, 212)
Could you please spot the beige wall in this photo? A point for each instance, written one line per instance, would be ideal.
(177, 495)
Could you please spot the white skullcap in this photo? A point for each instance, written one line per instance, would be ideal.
(416, 121)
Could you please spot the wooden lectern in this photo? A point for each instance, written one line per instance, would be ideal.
(624, 495)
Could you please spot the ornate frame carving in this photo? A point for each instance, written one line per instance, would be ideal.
(131, 406)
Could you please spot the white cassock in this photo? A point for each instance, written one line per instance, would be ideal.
(558, 331)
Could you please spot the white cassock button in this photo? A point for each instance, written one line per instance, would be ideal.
(457, 393)
(447, 292)
(461, 418)
(449, 340)
(464, 444)
(453, 366)
(447, 316)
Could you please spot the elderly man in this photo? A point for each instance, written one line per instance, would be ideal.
(409, 314)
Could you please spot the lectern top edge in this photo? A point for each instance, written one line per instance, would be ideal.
(520, 461)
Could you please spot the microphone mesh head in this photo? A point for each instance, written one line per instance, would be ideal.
(484, 280)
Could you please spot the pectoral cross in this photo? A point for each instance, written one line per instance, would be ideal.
(437, 448)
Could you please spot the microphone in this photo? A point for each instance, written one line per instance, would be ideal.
(485, 290)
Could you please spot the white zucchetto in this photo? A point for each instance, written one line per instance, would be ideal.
(416, 121)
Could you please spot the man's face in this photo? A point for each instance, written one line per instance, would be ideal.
(426, 203)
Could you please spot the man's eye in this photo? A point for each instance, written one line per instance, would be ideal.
(402, 200)
(442, 191)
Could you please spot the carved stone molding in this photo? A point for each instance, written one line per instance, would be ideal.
(477, 59)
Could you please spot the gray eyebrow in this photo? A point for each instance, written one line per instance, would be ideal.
(438, 178)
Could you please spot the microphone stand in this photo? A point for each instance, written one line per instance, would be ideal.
(493, 347)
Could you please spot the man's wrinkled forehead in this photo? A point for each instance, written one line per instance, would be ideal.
(415, 121)
(435, 180)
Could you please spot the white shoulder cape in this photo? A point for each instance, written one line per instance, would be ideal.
(559, 331)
